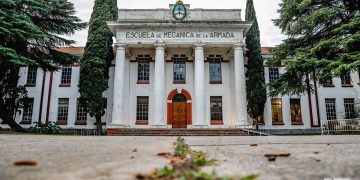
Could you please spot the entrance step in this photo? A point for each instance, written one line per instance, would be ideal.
(175, 132)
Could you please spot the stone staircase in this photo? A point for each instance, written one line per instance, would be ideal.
(176, 132)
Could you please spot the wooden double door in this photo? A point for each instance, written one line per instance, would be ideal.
(179, 115)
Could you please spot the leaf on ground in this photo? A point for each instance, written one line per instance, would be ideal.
(250, 177)
(277, 155)
(253, 145)
(164, 154)
(134, 150)
(25, 163)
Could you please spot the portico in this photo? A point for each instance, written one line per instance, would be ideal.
(179, 56)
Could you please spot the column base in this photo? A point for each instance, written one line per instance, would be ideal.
(200, 126)
(159, 126)
(117, 126)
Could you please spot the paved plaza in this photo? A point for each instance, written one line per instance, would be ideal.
(92, 157)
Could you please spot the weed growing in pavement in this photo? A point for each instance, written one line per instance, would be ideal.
(185, 164)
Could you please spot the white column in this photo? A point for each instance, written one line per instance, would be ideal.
(240, 86)
(119, 86)
(199, 86)
(159, 86)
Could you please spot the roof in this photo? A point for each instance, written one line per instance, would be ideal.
(80, 50)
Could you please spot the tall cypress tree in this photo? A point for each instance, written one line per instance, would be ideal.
(255, 84)
(96, 60)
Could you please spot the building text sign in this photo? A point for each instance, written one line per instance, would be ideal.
(178, 35)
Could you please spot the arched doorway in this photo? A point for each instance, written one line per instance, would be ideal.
(179, 109)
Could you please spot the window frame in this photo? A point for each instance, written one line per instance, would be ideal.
(346, 80)
(28, 111)
(63, 111)
(273, 74)
(179, 65)
(349, 113)
(143, 69)
(81, 114)
(66, 76)
(142, 110)
(31, 76)
(292, 111)
(213, 61)
(330, 109)
(275, 106)
(216, 113)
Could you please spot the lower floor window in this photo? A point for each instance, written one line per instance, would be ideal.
(295, 109)
(349, 108)
(28, 110)
(81, 112)
(276, 110)
(63, 109)
(142, 108)
(330, 109)
(216, 108)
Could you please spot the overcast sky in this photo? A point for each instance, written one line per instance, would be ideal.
(265, 11)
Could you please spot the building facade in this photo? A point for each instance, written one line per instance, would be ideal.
(180, 68)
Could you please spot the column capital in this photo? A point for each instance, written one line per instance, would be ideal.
(160, 45)
(239, 46)
(120, 46)
(199, 45)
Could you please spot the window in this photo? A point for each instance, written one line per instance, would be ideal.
(328, 83)
(295, 109)
(63, 109)
(143, 69)
(31, 76)
(215, 69)
(81, 114)
(273, 74)
(216, 108)
(66, 75)
(27, 111)
(142, 108)
(330, 109)
(179, 69)
(349, 105)
(346, 79)
(276, 111)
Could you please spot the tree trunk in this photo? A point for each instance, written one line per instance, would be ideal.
(99, 125)
(8, 120)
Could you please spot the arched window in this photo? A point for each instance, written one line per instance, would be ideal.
(179, 98)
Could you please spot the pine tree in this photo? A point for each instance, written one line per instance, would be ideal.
(29, 35)
(255, 84)
(323, 39)
(96, 60)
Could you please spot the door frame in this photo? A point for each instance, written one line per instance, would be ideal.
(170, 106)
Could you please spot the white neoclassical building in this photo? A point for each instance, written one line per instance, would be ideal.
(179, 67)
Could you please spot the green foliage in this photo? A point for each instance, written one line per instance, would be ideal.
(45, 128)
(97, 59)
(255, 84)
(30, 32)
(323, 38)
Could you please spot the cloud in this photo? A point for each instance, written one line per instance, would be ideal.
(265, 11)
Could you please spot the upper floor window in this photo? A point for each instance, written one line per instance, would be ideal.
(349, 104)
(330, 106)
(328, 83)
(31, 76)
(28, 111)
(346, 79)
(179, 68)
(276, 111)
(216, 108)
(66, 75)
(273, 74)
(295, 109)
(215, 69)
(143, 69)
